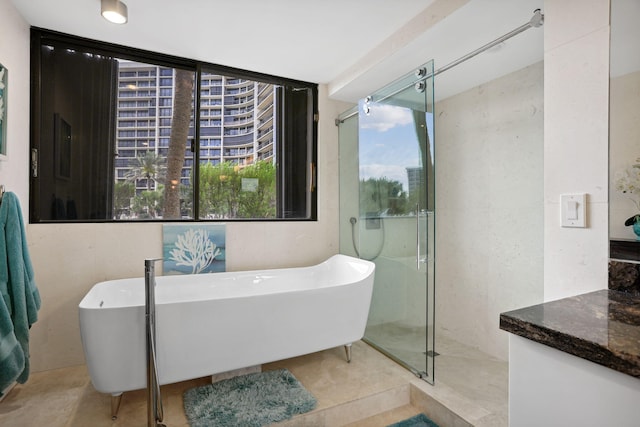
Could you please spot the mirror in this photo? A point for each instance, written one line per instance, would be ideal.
(624, 148)
(624, 124)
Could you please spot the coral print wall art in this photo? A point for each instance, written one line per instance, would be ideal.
(193, 248)
(3, 110)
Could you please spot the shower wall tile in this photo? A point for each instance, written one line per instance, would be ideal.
(567, 20)
(575, 259)
(489, 198)
(349, 185)
(576, 143)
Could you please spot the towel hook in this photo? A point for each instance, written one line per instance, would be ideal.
(1, 191)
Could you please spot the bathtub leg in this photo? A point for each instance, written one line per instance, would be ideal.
(116, 398)
(347, 349)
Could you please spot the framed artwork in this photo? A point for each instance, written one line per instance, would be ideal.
(4, 75)
(193, 248)
(62, 147)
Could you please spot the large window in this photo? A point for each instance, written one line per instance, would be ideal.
(120, 134)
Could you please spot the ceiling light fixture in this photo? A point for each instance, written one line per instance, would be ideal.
(114, 11)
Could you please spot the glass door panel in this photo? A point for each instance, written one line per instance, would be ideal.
(396, 217)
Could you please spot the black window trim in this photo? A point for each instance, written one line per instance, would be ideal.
(40, 36)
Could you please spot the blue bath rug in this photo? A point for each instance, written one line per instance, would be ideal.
(420, 420)
(252, 400)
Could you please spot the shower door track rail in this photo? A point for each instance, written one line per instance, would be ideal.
(536, 21)
(423, 375)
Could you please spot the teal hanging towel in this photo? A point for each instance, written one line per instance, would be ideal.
(20, 297)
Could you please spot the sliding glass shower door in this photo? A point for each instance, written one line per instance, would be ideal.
(391, 222)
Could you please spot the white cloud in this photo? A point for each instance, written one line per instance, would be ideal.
(384, 117)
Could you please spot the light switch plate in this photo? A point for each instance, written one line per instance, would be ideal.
(573, 210)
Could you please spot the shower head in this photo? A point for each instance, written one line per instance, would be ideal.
(353, 220)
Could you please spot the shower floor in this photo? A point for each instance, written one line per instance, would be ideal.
(473, 377)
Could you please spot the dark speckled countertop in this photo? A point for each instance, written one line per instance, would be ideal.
(602, 327)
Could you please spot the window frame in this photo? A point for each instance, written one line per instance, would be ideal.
(40, 37)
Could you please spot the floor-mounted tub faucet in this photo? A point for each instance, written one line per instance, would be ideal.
(154, 399)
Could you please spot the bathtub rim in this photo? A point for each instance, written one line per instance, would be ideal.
(93, 302)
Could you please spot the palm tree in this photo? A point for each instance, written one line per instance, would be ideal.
(183, 102)
(149, 167)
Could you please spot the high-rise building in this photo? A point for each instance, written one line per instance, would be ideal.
(415, 178)
(236, 119)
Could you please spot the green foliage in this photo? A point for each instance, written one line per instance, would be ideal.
(148, 204)
(186, 200)
(122, 194)
(384, 196)
(223, 195)
(261, 202)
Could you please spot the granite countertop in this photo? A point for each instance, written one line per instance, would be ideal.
(602, 327)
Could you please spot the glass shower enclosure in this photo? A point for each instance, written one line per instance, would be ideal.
(387, 206)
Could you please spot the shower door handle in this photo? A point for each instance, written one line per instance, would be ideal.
(419, 258)
(418, 237)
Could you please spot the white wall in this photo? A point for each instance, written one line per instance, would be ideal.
(576, 93)
(489, 211)
(14, 54)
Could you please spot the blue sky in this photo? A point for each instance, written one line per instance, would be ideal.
(388, 143)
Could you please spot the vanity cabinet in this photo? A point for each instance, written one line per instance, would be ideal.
(575, 361)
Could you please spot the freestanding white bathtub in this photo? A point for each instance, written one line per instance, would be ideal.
(213, 323)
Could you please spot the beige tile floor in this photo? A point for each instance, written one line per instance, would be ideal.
(465, 372)
(347, 393)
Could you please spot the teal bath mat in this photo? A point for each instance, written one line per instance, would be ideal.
(420, 420)
(252, 400)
